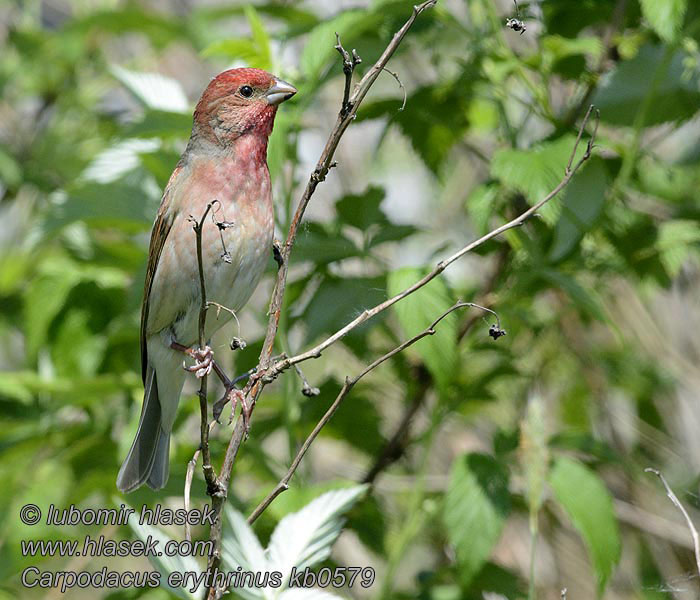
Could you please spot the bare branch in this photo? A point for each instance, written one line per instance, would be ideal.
(686, 516)
(283, 484)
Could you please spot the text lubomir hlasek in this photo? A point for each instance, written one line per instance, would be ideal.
(158, 515)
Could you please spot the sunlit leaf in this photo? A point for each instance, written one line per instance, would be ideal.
(588, 504)
(476, 505)
(153, 89)
(305, 538)
(665, 18)
(417, 311)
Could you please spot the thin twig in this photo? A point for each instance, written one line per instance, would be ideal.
(401, 85)
(283, 484)
(191, 466)
(518, 221)
(213, 486)
(686, 516)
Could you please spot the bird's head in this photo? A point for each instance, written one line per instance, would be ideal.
(240, 101)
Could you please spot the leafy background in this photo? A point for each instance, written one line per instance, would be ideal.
(542, 436)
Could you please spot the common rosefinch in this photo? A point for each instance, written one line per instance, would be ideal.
(225, 161)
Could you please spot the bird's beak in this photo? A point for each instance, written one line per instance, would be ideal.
(280, 91)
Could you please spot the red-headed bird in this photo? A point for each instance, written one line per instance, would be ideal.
(225, 161)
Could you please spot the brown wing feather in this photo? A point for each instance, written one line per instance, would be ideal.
(161, 229)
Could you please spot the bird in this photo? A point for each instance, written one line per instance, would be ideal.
(224, 165)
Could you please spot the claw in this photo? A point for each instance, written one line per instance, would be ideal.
(204, 361)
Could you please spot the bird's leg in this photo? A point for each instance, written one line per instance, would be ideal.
(232, 394)
(203, 357)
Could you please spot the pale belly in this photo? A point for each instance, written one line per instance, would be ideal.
(234, 260)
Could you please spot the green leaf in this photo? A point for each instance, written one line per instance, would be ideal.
(476, 505)
(676, 96)
(362, 210)
(665, 17)
(675, 242)
(481, 204)
(434, 119)
(255, 51)
(418, 311)
(320, 45)
(583, 203)
(587, 502)
(321, 244)
(339, 300)
(260, 37)
(536, 171)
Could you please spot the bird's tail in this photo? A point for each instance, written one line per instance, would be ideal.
(148, 459)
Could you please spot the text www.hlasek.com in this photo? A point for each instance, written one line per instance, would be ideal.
(101, 546)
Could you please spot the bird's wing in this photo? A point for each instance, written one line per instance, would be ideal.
(161, 229)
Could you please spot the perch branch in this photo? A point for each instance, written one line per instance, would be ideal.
(254, 386)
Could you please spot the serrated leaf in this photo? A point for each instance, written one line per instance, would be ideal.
(418, 311)
(665, 17)
(476, 505)
(535, 172)
(583, 202)
(623, 91)
(305, 538)
(153, 89)
(587, 502)
(240, 548)
(165, 564)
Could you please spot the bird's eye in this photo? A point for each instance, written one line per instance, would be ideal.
(246, 91)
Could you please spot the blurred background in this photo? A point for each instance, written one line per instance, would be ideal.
(500, 469)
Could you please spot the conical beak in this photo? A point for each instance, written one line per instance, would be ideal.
(280, 91)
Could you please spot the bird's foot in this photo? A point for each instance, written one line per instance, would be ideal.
(203, 357)
(234, 396)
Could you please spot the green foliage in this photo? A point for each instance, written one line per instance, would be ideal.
(477, 503)
(598, 292)
(588, 504)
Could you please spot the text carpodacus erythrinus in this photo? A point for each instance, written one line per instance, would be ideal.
(225, 161)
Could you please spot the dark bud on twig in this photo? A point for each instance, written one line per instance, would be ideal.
(309, 391)
(277, 253)
(495, 331)
(238, 343)
(516, 24)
